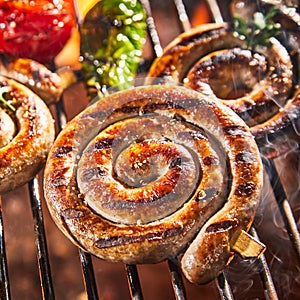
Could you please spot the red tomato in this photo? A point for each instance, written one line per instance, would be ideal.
(36, 29)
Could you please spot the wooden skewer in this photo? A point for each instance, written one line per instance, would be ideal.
(247, 246)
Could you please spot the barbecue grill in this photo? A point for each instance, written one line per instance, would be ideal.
(38, 262)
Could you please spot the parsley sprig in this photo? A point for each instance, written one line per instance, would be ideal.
(6, 102)
(259, 30)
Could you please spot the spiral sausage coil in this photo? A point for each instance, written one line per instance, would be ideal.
(155, 172)
(26, 135)
(260, 85)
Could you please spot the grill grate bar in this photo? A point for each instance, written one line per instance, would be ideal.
(215, 11)
(88, 275)
(154, 37)
(134, 282)
(177, 281)
(60, 114)
(182, 15)
(40, 240)
(224, 287)
(284, 206)
(4, 279)
(264, 272)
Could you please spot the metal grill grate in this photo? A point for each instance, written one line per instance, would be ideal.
(223, 286)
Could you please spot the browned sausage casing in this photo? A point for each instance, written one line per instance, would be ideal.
(148, 173)
(257, 84)
(45, 83)
(26, 135)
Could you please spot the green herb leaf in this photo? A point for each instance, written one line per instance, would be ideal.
(112, 38)
(259, 30)
(3, 91)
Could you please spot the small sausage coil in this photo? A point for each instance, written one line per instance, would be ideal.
(153, 172)
(47, 84)
(257, 84)
(26, 134)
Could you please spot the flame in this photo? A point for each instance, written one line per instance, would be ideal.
(201, 14)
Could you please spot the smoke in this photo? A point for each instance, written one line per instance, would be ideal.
(281, 256)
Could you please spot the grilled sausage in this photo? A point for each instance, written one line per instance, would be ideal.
(256, 84)
(7, 128)
(47, 84)
(282, 128)
(152, 172)
(28, 136)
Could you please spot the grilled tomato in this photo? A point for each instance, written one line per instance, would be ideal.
(36, 29)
